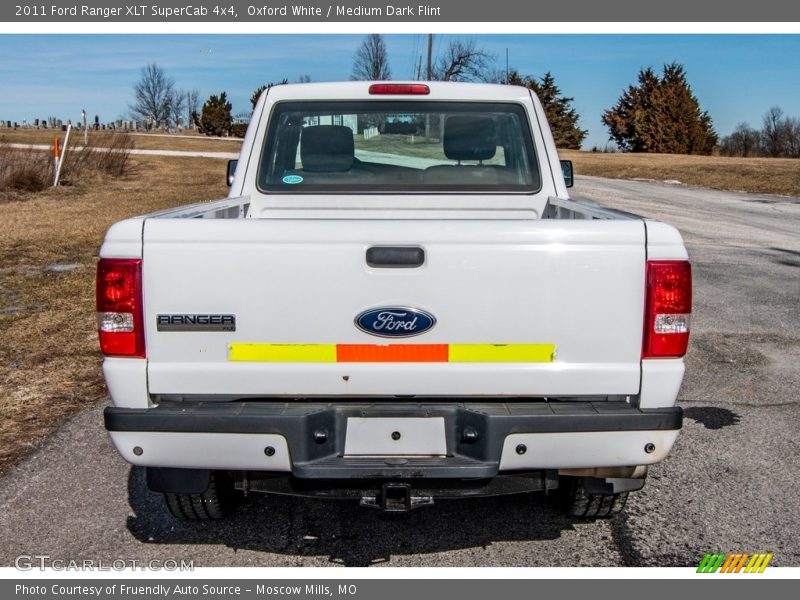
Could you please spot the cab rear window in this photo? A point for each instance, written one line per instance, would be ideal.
(389, 146)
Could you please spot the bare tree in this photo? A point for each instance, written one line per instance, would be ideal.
(463, 60)
(371, 60)
(744, 141)
(791, 136)
(772, 132)
(152, 95)
(305, 78)
(177, 104)
(192, 104)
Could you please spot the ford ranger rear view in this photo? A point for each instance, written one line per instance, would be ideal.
(397, 302)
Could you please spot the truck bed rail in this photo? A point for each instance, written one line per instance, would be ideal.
(575, 208)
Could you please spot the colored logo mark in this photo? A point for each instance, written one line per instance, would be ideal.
(734, 563)
(395, 321)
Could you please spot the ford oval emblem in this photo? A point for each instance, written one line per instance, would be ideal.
(395, 321)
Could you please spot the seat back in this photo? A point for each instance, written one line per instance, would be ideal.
(468, 138)
(327, 149)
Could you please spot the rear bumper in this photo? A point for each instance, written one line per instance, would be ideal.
(307, 439)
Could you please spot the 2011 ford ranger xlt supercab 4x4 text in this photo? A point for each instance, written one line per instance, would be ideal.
(397, 302)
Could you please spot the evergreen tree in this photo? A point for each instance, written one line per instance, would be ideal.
(563, 118)
(215, 118)
(257, 94)
(661, 114)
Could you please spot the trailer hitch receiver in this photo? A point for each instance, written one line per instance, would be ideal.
(396, 497)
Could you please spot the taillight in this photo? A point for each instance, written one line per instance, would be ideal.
(402, 89)
(668, 308)
(119, 307)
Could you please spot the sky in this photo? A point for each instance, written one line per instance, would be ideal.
(736, 77)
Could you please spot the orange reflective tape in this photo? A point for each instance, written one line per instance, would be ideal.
(391, 353)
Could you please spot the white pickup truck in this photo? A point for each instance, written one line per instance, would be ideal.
(397, 302)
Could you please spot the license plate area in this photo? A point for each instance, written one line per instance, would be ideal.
(400, 436)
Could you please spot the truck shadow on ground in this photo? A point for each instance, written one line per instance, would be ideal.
(345, 533)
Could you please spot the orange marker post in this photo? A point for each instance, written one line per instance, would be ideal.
(56, 157)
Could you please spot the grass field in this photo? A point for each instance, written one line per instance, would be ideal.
(186, 141)
(49, 358)
(758, 175)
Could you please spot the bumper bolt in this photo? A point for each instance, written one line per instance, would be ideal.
(137, 450)
(522, 449)
(395, 435)
(649, 448)
(469, 435)
(320, 436)
(269, 451)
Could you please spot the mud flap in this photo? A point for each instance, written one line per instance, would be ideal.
(612, 485)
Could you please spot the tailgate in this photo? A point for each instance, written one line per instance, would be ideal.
(517, 307)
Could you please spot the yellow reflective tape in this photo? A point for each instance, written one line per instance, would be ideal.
(311, 353)
(327, 353)
(766, 562)
(502, 353)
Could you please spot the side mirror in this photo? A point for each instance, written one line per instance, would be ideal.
(231, 171)
(566, 170)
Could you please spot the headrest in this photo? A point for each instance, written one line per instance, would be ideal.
(469, 138)
(327, 148)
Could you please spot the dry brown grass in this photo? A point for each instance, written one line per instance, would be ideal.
(25, 170)
(195, 141)
(49, 358)
(198, 143)
(758, 175)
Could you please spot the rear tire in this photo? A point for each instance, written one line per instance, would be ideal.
(586, 505)
(213, 504)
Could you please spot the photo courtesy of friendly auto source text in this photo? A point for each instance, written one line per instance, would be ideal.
(275, 295)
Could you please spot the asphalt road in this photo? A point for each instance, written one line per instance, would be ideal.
(730, 484)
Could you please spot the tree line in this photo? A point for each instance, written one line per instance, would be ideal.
(779, 136)
(659, 113)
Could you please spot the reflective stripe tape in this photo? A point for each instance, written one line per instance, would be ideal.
(505, 353)
(315, 353)
(390, 353)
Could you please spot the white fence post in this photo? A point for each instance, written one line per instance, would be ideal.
(63, 153)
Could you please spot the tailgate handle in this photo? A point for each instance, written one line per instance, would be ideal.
(395, 257)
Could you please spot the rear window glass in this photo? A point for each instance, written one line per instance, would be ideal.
(380, 146)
